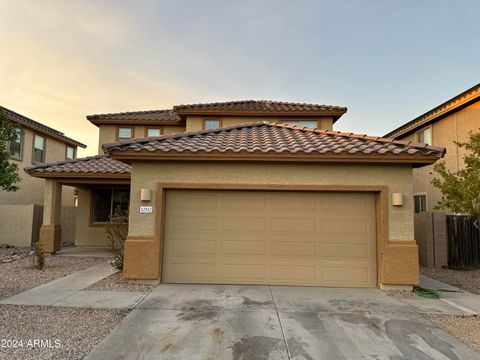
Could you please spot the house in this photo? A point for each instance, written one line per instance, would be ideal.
(246, 192)
(443, 126)
(35, 143)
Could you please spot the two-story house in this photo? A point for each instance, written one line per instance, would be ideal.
(21, 211)
(246, 192)
(445, 125)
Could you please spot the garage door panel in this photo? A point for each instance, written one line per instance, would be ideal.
(240, 272)
(242, 248)
(194, 247)
(194, 223)
(293, 225)
(192, 202)
(276, 241)
(304, 249)
(243, 223)
(344, 226)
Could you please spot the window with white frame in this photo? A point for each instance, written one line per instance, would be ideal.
(71, 153)
(16, 145)
(424, 136)
(211, 124)
(153, 132)
(38, 149)
(303, 123)
(124, 133)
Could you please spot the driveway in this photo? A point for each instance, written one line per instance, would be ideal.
(277, 322)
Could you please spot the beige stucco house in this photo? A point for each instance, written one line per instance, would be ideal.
(21, 211)
(443, 126)
(246, 192)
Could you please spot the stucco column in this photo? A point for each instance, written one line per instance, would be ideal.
(50, 231)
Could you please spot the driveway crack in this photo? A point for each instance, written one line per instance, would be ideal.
(280, 322)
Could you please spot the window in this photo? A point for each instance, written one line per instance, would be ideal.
(124, 133)
(108, 201)
(303, 123)
(71, 153)
(16, 145)
(153, 132)
(38, 149)
(425, 136)
(211, 124)
(420, 203)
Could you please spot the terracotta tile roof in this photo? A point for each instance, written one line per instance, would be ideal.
(100, 164)
(35, 125)
(152, 115)
(260, 106)
(265, 137)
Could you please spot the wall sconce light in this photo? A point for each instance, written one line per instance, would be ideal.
(146, 195)
(397, 199)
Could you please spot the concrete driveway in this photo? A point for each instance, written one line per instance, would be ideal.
(277, 322)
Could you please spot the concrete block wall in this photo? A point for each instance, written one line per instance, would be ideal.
(431, 237)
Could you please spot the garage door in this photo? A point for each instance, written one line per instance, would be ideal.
(268, 237)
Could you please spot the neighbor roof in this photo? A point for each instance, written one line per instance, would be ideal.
(456, 103)
(260, 107)
(89, 166)
(144, 117)
(35, 125)
(277, 140)
(176, 115)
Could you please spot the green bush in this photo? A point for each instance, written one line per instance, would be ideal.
(39, 258)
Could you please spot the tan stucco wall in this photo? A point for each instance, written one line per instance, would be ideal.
(108, 133)
(195, 123)
(397, 178)
(84, 233)
(19, 224)
(31, 189)
(454, 127)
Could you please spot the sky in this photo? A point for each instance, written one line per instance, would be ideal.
(387, 61)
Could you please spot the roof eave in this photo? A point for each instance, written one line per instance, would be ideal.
(448, 107)
(79, 175)
(129, 156)
(333, 113)
(98, 122)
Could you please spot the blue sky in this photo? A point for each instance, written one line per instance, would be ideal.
(387, 61)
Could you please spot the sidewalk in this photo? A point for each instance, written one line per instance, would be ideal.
(453, 301)
(68, 292)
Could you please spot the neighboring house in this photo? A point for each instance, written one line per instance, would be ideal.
(247, 192)
(443, 126)
(21, 211)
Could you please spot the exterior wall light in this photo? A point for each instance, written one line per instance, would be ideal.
(145, 195)
(397, 199)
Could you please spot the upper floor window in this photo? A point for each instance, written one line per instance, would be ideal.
(211, 124)
(425, 136)
(303, 123)
(71, 153)
(16, 145)
(124, 133)
(153, 132)
(38, 149)
(420, 203)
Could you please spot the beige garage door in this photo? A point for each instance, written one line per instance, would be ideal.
(267, 237)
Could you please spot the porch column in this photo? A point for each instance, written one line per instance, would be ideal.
(50, 231)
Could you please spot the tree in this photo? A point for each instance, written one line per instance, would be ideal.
(461, 189)
(9, 177)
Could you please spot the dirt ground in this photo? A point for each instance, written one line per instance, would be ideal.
(466, 329)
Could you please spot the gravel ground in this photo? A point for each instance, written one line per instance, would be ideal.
(76, 330)
(400, 293)
(7, 252)
(466, 329)
(20, 275)
(464, 279)
(116, 282)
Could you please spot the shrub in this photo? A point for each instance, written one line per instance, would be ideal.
(117, 231)
(39, 258)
